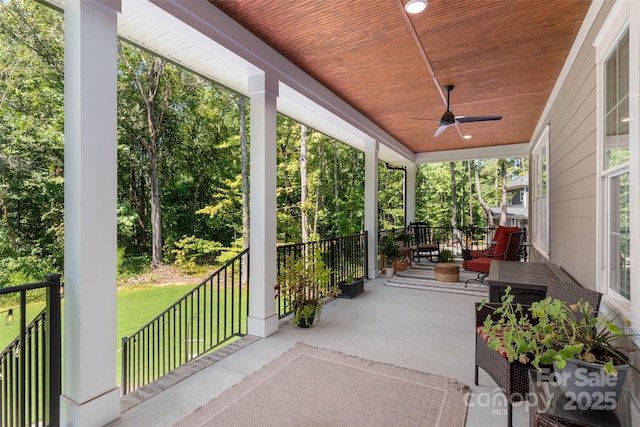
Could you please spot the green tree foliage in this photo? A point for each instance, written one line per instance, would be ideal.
(434, 200)
(335, 185)
(31, 141)
(390, 196)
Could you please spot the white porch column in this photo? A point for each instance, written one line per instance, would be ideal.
(410, 204)
(90, 395)
(263, 319)
(371, 203)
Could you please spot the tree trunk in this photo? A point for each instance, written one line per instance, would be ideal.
(155, 116)
(245, 173)
(454, 196)
(471, 218)
(485, 207)
(303, 184)
(316, 215)
(503, 193)
(156, 224)
(335, 181)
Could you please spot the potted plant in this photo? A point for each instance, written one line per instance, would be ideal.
(471, 237)
(446, 256)
(406, 237)
(551, 332)
(390, 251)
(351, 287)
(305, 285)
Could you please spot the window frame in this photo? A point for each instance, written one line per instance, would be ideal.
(624, 16)
(539, 193)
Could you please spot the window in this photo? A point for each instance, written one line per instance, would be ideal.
(539, 194)
(619, 238)
(618, 118)
(615, 170)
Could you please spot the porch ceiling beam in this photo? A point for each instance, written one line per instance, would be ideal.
(500, 151)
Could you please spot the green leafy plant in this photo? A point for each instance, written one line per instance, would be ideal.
(552, 331)
(389, 248)
(446, 256)
(305, 285)
(405, 236)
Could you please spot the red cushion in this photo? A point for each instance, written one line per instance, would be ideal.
(501, 244)
(502, 232)
(481, 265)
(487, 337)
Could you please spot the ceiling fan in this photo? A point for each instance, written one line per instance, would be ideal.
(448, 119)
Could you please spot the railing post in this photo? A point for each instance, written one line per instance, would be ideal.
(366, 254)
(332, 257)
(53, 322)
(22, 361)
(124, 387)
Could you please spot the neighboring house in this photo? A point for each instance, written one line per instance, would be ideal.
(517, 203)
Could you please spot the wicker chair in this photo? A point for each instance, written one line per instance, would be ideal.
(512, 377)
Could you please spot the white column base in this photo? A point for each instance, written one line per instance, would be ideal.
(263, 327)
(96, 412)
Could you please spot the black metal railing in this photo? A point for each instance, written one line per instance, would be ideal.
(30, 366)
(211, 314)
(345, 255)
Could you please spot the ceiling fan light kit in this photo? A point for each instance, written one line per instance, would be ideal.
(416, 6)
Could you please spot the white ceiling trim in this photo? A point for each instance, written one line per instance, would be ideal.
(497, 152)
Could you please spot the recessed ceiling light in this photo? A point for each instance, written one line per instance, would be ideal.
(416, 6)
(625, 119)
(468, 137)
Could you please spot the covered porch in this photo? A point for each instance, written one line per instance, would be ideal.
(562, 135)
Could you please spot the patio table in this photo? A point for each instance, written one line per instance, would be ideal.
(528, 280)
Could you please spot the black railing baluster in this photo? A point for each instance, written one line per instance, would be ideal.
(233, 306)
(192, 326)
(337, 254)
(30, 365)
(196, 316)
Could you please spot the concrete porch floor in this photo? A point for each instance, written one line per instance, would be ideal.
(424, 330)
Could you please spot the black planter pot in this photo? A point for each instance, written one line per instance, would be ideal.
(306, 322)
(351, 290)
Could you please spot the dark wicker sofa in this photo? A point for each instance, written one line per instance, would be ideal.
(512, 377)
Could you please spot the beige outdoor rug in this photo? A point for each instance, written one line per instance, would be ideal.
(310, 386)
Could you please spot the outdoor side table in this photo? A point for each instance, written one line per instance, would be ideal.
(404, 259)
(446, 272)
(548, 407)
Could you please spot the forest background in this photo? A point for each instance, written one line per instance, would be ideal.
(183, 156)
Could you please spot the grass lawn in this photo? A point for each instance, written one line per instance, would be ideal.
(136, 307)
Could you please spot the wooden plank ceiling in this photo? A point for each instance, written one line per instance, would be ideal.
(503, 56)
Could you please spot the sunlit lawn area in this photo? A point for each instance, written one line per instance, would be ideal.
(136, 306)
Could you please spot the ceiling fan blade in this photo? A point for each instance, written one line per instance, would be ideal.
(463, 119)
(440, 130)
(424, 120)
